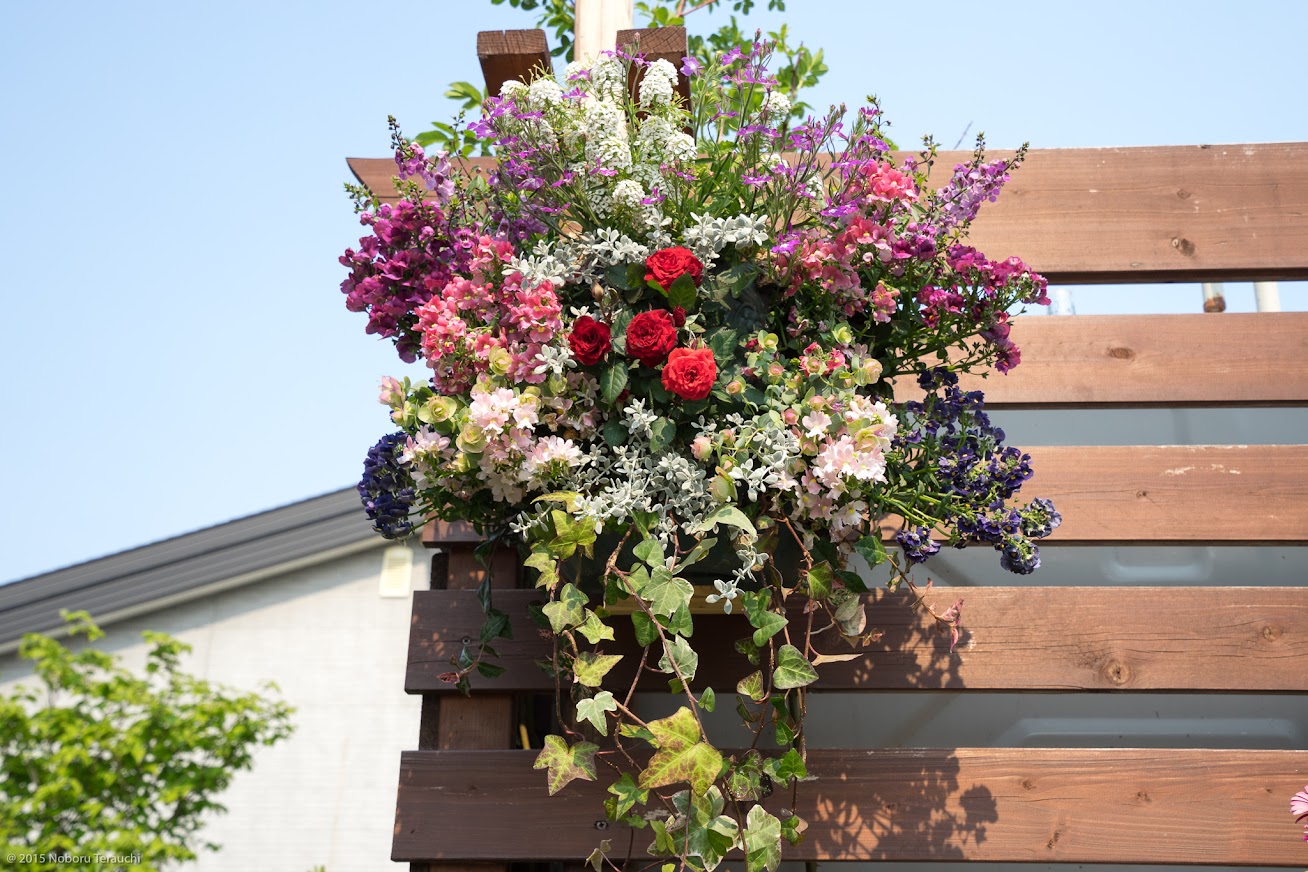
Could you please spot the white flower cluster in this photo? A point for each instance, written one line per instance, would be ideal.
(708, 236)
(658, 85)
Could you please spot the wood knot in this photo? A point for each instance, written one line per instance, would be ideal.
(1184, 194)
(1121, 353)
(1028, 784)
(1142, 494)
(1142, 796)
(1271, 632)
(1117, 672)
(1053, 840)
(1183, 245)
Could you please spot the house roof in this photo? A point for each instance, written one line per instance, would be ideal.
(188, 566)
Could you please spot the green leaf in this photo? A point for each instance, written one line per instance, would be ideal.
(613, 381)
(489, 670)
(496, 626)
(661, 434)
(724, 344)
(729, 516)
(769, 624)
(853, 581)
(683, 293)
(793, 669)
(752, 686)
(871, 549)
(590, 668)
(820, 579)
(615, 432)
(617, 277)
(593, 710)
(594, 629)
(646, 632)
(685, 658)
(546, 565)
(649, 552)
(708, 700)
(570, 533)
(628, 795)
(762, 838)
(567, 498)
(569, 610)
(751, 651)
(666, 593)
(636, 731)
(789, 765)
(596, 858)
(701, 549)
(682, 755)
(745, 783)
(792, 828)
(566, 764)
(849, 613)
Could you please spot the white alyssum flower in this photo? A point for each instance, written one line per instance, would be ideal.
(776, 106)
(658, 84)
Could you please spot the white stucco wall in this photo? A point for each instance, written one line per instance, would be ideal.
(336, 649)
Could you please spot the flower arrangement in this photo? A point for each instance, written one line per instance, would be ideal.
(663, 337)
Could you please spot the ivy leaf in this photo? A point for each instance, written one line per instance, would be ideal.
(649, 552)
(666, 593)
(849, 613)
(708, 700)
(853, 581)
(593, 710)
(685, 658)
(594, 629)
(661, 434)
(793, 829)
(820, 579)
(636, 731)
(497, 625)
(789, 765)
(729, 516)
(613, 381)
(769, 624)
(752, 686)
(682, 755)
(762, 839)
(590, 668)
(541, 561)
(793, 669)
(872, 549)
(570, 534)
(628, 795)
(646, 632)
(698, 553)
(596, 858)
(745, 784)
(709, 833)
(568, 610)
(566, 764)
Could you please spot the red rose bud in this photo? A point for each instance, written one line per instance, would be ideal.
(589, 340)
(690, 372)
(678, 316)
(665, 266)
(650, 336)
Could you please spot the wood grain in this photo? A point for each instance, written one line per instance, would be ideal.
(1123, 215)
(1014, 639)
(1009, 805)
(657, 44)
(1151, 360)
(512, 54)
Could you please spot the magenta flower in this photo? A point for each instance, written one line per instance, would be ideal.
(1299, 808)
(690, 67)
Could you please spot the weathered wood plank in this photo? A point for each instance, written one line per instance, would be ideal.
(1014, 638)
(1235, 494)
(512, 54)
(995, 805)
(1148, 360)
(1113, 215)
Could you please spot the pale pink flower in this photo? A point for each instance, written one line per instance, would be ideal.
(1299, 808)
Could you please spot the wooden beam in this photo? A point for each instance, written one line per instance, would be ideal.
(1151, 360)
(657, 44)
(1200, 639)
(1123, 215)
(512, 54)
(1007, 805)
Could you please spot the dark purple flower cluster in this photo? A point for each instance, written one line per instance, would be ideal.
(386, 489)
(978, 474)
(917, 544)
(412, 253)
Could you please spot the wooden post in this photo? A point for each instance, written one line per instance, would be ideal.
(511, 54)
(596, 25)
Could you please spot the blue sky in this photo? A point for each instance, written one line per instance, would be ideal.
(174, 346)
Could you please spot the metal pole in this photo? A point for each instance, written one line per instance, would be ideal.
(597, 23)
(1214, 299)
(1267, 296)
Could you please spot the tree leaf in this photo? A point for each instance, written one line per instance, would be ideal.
(590, 668)
(593, 710)
(793, 669)
(566, 764)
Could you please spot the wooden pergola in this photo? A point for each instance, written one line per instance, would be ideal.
(1084, 216)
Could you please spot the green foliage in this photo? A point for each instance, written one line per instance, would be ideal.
(566, 763)
(106, 761)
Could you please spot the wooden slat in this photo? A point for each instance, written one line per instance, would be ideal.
(1233, 494)
(1147, 360)
(1156, 214)
(997, 805)
(658, 44)
(1015, 638)
(512, 54)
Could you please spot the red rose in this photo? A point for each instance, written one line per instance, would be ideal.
(690, 373)
(650, 336)
(666, 266)
(589, 340)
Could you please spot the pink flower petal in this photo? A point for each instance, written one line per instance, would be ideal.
(1299, 807)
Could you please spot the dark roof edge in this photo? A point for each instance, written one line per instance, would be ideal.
(183, 567)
